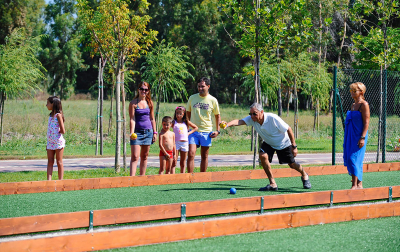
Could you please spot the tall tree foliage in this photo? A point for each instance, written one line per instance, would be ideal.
(375, 19)
(121, 36)
(19, 68)
(166, 67)
(60, 52)
(21, 14)
(200, 26)
(266, 28)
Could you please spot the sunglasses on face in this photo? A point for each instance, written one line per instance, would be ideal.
(144, 89)
(253, 114)
(354, 90)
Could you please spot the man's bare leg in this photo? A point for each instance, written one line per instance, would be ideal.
(300, 169)
(191, 155)
(304, 175)
(204, 158)
(267, 168)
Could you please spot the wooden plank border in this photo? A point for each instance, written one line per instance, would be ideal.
(51, 222)
(200, 229)
(115, 182)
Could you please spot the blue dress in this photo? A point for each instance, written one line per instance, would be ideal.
(353, 156)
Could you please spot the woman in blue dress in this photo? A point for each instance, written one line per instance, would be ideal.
(356, 134)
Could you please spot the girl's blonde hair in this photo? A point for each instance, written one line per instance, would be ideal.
(359, 86)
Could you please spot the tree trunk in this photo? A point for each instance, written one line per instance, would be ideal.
(2, 98)
(279, 100)
(101, 104)
(288, 103)
(123, 117)
(118, 116)
(296, 119)
(98, 109)
(158, 97)
(257, 79)
(316, 115)
(111, 105)
(380, 117)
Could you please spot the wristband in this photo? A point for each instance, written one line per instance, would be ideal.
(155, 133)
(362, 137)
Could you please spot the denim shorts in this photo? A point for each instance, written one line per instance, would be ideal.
(144, 137)
(200, 139)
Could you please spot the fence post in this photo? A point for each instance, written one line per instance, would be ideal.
(90, 221)
(183, 212)
(384, 116)
(334, 116)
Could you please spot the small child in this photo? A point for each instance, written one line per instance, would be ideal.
(180, 126)
(167, 147)
(55, 139)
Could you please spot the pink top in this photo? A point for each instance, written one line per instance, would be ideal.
(181, 132)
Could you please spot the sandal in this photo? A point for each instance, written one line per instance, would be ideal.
(306, 183)
(268, 188)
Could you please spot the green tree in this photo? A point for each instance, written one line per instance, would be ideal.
(370, 52)
(19, 68)
(374, 19)
(167, 67)
(21, 14)
(60, 53)
(265, 26)
(121, 36)
(199, 25)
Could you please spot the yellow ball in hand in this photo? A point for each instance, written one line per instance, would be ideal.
(133, 136)
(222, 125)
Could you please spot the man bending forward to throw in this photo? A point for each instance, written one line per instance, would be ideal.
(277, 136)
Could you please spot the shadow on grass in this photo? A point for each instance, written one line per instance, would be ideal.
(226, 187)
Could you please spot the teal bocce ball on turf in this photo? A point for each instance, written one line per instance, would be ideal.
(232, 191)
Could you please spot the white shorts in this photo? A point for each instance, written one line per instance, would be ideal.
(182, 146)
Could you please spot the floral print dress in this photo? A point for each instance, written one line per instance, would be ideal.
(55, 139)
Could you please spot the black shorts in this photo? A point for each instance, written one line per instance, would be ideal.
(285, 156)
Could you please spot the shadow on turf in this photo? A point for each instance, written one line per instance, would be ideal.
(226, 187)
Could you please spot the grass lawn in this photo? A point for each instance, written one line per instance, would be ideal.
(25, 127)
(85, 200)
(380, 234)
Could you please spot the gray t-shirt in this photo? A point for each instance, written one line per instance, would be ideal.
(273, 131)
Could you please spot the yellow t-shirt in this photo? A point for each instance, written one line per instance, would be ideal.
(202, 110)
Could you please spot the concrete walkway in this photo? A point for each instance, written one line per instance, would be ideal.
(213, 161)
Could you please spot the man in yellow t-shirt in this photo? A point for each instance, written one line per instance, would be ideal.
(199, 110)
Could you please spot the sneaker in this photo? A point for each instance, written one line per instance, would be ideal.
(306, 183)
(268, 188)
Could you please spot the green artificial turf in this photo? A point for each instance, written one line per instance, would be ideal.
(85, 200)
(381, 234)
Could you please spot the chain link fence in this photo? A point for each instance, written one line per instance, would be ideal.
(383, 97)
